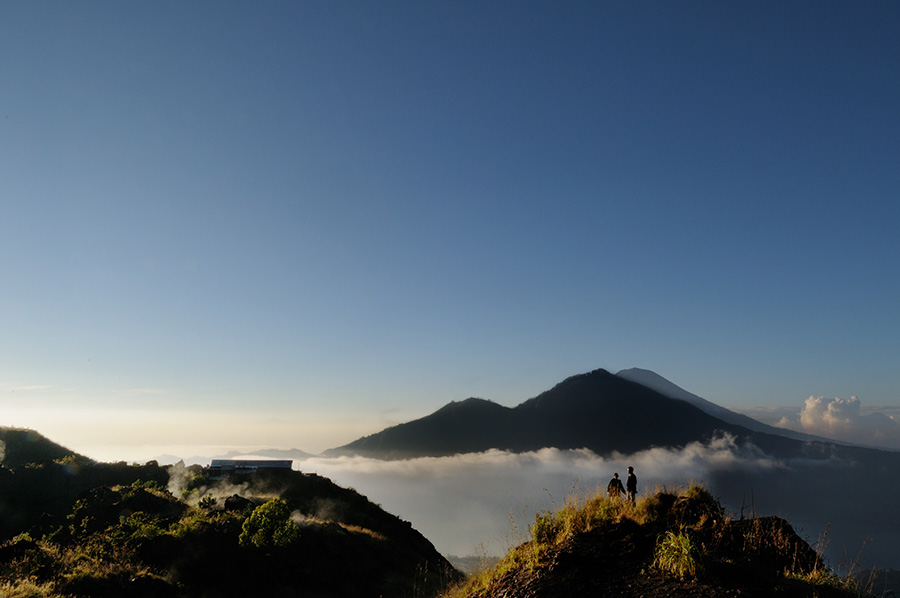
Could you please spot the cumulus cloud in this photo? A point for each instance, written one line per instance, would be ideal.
(845, 420)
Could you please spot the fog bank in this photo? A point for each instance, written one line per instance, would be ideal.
(483, 503)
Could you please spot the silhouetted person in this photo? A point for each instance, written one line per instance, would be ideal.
(631, 484)
(615, 487)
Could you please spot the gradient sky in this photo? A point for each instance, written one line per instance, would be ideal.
(294, 223)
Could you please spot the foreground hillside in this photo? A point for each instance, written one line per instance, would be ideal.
(667, 545)
(94, 530)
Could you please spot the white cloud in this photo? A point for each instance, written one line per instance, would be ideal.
(845, 420)
(478, 502)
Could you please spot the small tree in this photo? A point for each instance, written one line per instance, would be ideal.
(269, 525)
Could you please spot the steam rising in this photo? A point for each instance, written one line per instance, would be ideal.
(181, 478)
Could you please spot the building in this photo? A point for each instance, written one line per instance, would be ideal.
(222, 468)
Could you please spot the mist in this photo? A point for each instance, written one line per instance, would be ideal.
(482, 504)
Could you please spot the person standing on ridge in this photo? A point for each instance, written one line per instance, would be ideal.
(631, 484)
(615, 488)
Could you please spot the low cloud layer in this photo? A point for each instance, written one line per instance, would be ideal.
(845, 420)
(484, 502)
(481, 504)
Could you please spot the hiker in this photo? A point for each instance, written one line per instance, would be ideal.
(631, 484)
(615, 488)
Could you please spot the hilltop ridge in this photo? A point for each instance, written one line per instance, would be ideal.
(21, 446)
(669, 544)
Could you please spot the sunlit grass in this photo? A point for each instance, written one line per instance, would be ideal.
(683, 547)
(677, 553)
(28, 588)
(581, 512)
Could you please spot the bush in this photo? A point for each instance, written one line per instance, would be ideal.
(269, 525)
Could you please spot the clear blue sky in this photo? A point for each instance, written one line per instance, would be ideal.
(329, 217)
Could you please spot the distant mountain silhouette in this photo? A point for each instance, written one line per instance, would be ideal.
(597, 410)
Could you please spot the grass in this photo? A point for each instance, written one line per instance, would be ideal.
(27, 588)
(679, 554)
(581, 512)
(693, 529)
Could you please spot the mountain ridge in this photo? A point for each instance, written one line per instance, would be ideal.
(629, 411)
(654, 381)
(595, 410)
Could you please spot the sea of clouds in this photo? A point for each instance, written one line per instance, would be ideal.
(483, 503)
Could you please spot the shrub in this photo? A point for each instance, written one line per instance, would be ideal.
(269, 525)
(140, 525)
(151, 485)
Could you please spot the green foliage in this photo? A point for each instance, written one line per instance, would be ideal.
(142, 526)
(677, 553)
(546, 528)
(207, 502)
(151, 485)
(269, 525)
(134, 538)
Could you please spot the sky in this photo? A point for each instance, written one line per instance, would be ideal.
(291, 224)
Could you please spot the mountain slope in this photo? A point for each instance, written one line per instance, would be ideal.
(658, 383)
(598, 411)
(468, 426)
(19, 447)
(285, 534)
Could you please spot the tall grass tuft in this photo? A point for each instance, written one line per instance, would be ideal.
(678, 554)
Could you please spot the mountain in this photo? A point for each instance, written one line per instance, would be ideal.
(603, 412)
(20, 446)
(819, 484)
(597, 410)
(656, 382)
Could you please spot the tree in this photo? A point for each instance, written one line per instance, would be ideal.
(269, 525)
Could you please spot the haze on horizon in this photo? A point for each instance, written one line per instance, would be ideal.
(291, 225)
